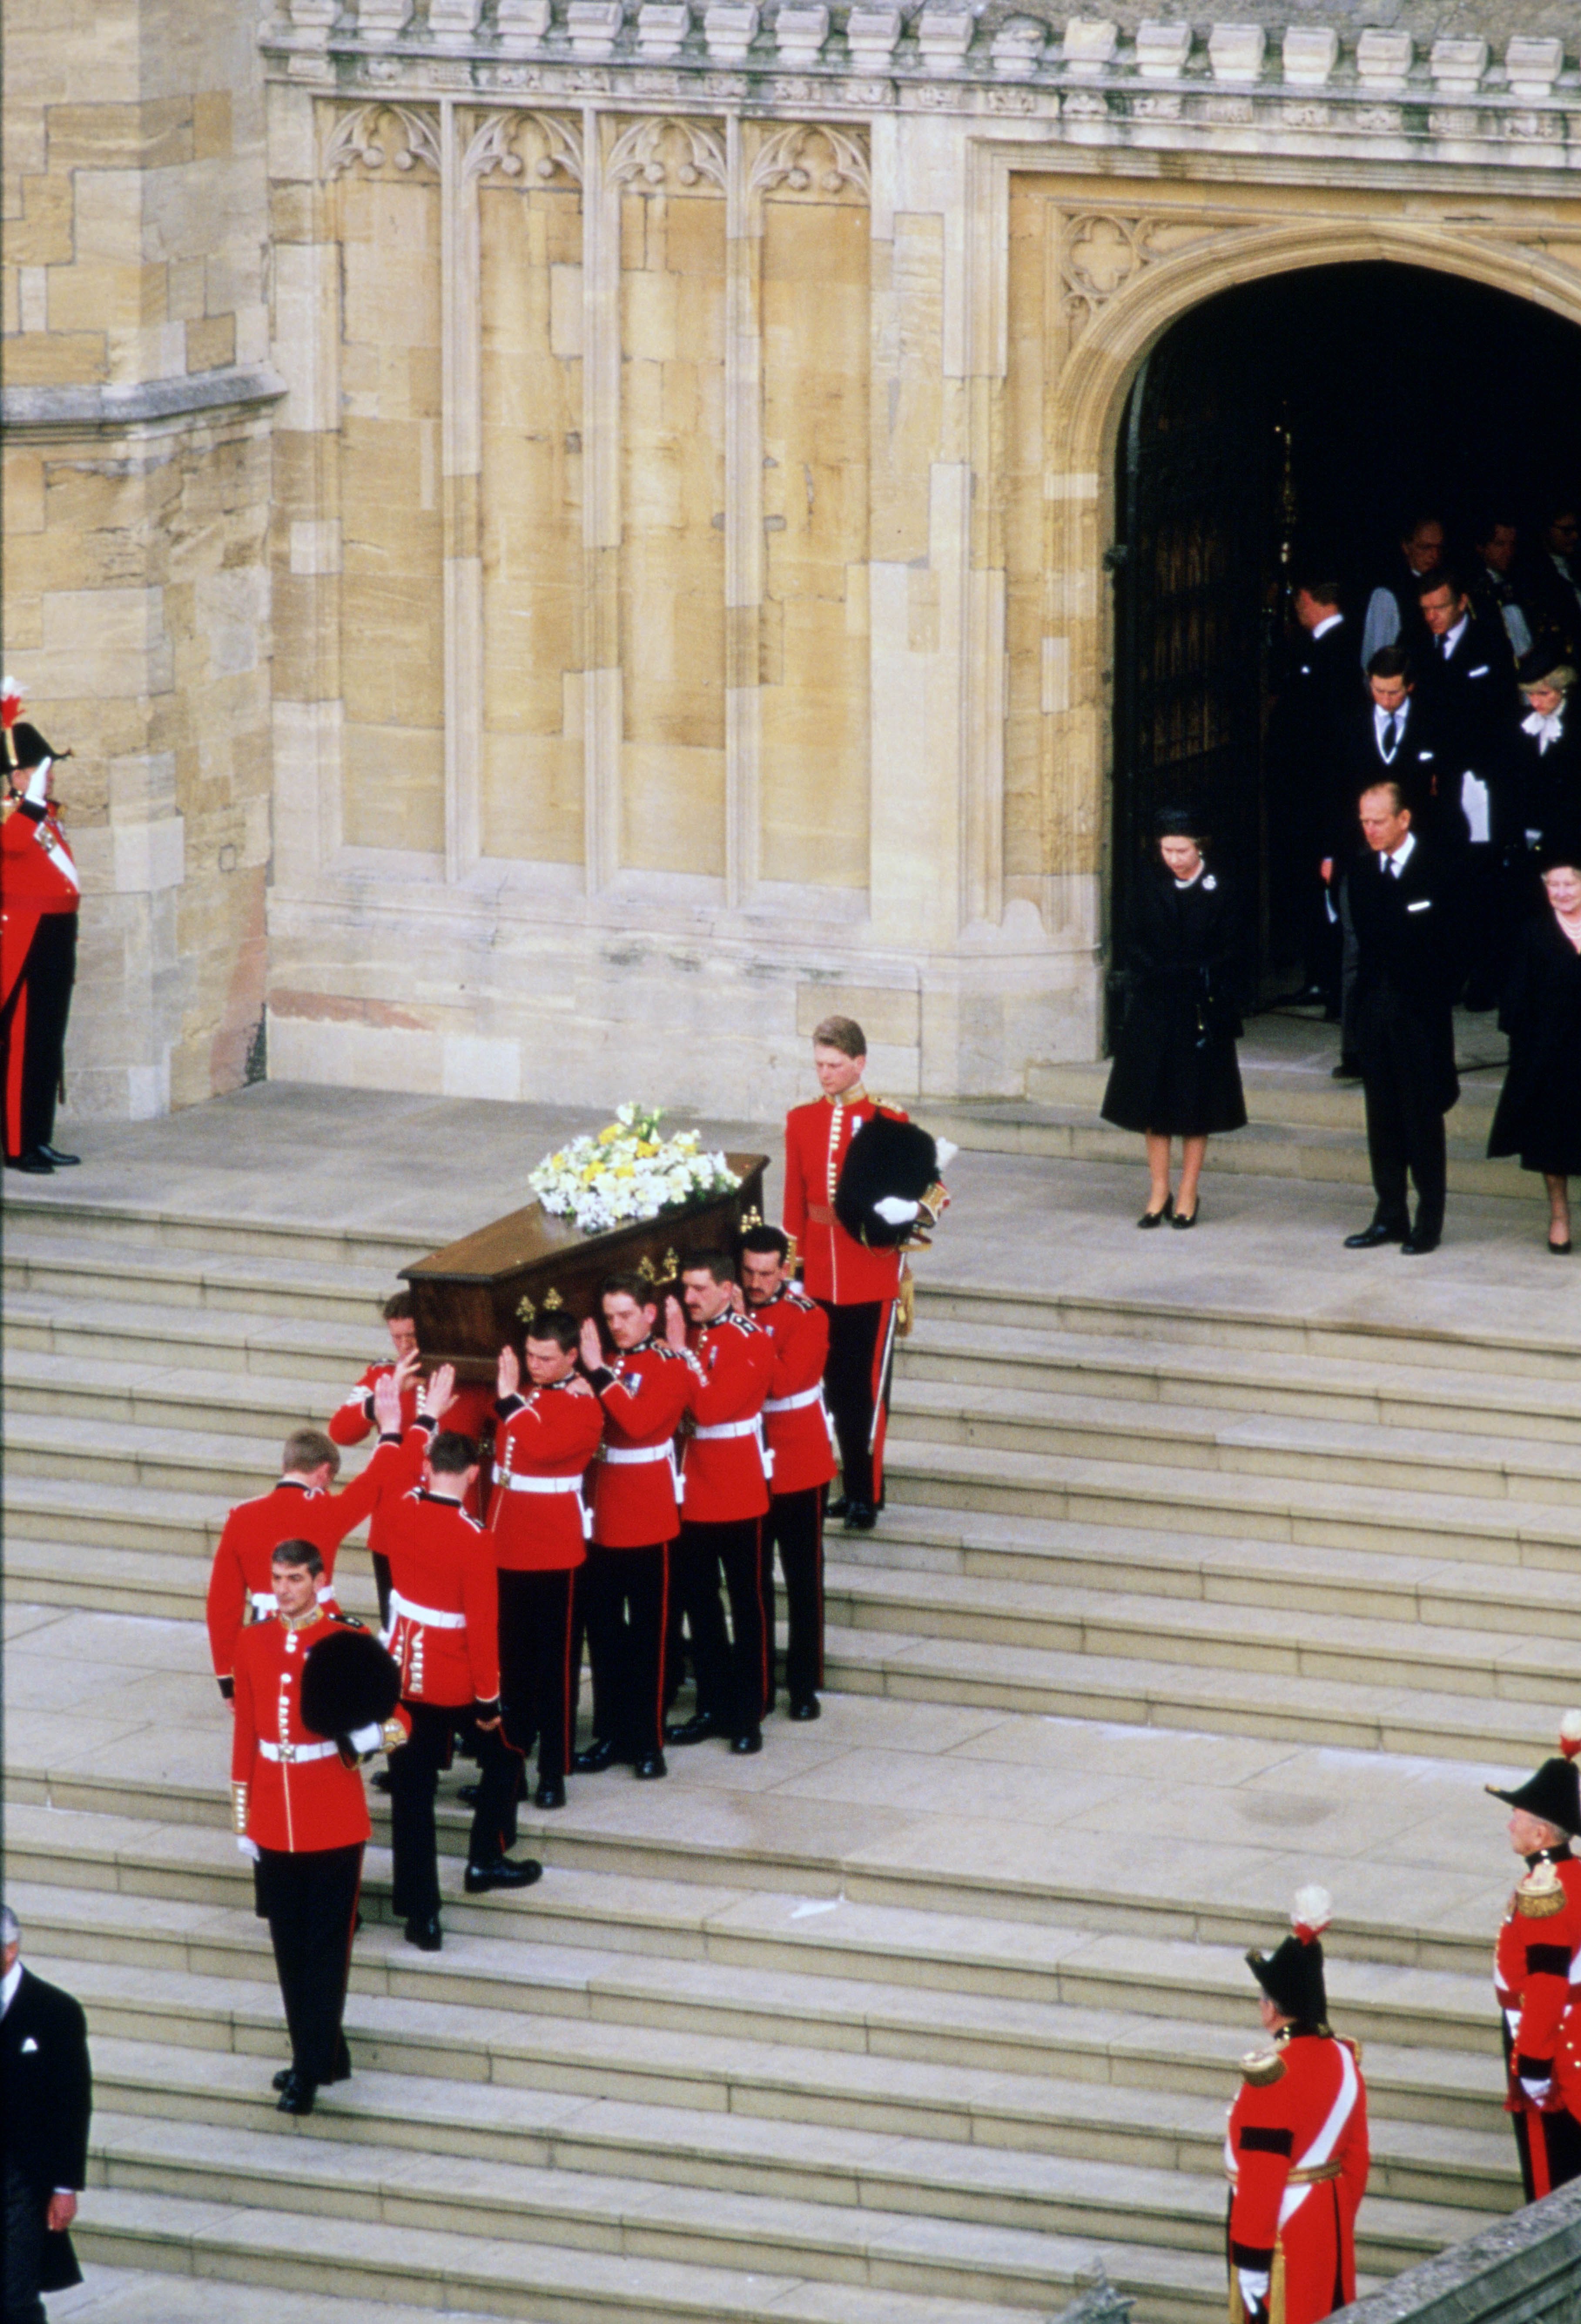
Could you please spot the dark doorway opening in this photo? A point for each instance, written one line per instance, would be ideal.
(1312, 414)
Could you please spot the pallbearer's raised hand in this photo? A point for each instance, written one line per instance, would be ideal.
(507, 1374)
(387, 1402)
(440, 1394)
(592, 1347)
(675, 1323)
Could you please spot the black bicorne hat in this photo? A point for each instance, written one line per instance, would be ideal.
(25, 747)
(1554, 1793)
(1292, 1974)
(886, 1160)
(349, 1682)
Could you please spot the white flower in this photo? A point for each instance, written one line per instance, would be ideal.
(609, 1180)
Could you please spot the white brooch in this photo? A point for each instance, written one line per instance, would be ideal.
(1209, 883)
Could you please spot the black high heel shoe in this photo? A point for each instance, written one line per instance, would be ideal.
(1560, 1250)
(1156, 1218)
(1180, 1219)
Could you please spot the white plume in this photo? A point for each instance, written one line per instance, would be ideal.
(1313, 1908)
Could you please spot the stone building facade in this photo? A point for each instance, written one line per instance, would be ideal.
(569, 537)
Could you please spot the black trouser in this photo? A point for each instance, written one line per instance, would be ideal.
(1549, 2147)
(732, 1670)
(1485, 905)
(24, 2246)
(1405, 1120)
(414, 1781)
(856, 1386)
(308, 1899)
(626, 1599)
(795, 1525)
(538, 1690)
(34, 1023)
(381, 1565)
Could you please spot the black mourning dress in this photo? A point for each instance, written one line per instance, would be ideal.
(1539, 1114)
(1175, 1069)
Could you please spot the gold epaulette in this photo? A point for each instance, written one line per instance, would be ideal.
(1540, 1893)
(1261, 2067)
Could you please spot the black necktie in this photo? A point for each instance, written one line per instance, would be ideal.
(1391, 737)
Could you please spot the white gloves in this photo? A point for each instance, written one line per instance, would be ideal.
(1537, 2091)
(1254, 2285)
(894, 1213)
(249, 1848)
(366, 1739)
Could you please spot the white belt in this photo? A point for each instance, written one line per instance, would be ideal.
(293, 1754)
(754, 1428)
(635, 1456)
(264, 1601)
(511, 1484)
(428, 1616)
(791, 1403)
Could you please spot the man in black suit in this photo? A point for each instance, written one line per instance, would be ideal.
(1400, 898)
(1392, 617)
(48, 2099)
(1468, 681)
(1305, 738)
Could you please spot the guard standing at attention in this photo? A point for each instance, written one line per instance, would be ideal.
(39, 893)
(1537, 1970)
(300, 1812)
(539, 1521)
(801, 1447)
(642, 1392)
(858, 1288)
(301, 1508)
(1296, 2149)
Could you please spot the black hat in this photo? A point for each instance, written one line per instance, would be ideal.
(1545, 665)
(26, 748)
(1292, 1975)
(1178, 822)
(1554, 1794)
(349, 1682)
(886, 1160)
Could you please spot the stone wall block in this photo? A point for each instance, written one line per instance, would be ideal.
(1384, 61)
(148, 856)
(522, 25)
(453, 23)
(1017, 48)
(1236, 51)
(730, 28)
(662, 26)
(1458, 66)
(1310, 53)
(800, 31)
(944, 34)
(1090, 45)
(1533, 66)
(871, 34)
(1162, 50)
(593, 26)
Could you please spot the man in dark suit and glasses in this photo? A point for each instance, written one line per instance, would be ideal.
(48, 2097)
(1400, 897)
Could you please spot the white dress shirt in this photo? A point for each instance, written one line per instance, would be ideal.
(1392, 863)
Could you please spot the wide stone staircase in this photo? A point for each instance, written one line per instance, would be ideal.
(727, 2062)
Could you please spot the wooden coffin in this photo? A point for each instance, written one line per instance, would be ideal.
(471, 1298)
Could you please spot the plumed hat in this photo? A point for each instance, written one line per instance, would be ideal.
(887, 1168)
(1554, 1793)
(349, 1682)
(24, 747)
(1292, 1975)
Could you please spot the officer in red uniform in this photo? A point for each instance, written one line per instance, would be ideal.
(301, 1508)
(539, 1521)
(856, 1288)
(444, 1634)
(1296, 2150)
(300, 1811)
(40, 892)
(471, 1414)
(800, 1441)
(643, 1388)
(1537, 1971)
(725, 1502)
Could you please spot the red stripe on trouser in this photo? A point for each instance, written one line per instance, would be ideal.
(15, 1057)
(882, 1352)
(1537, 2147)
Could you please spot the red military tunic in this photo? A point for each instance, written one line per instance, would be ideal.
(643, 1392)
(1537, 1955)
(537, 1517)
(796, 1419)
(726, 1475)
(444, 1603)
(1295, 2152)
(290, 1790)
(240, 1582)
(834, 1265)
(469, 1412)
(38, 875)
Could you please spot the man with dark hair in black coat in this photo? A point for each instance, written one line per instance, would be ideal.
(1401, 899)
(48, 2097)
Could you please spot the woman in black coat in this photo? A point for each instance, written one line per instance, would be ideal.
(1539, 1114)
(1175, 1073)
(1545, 752)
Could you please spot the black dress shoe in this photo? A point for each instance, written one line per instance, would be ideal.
(1347, 1070)
(296, 2094)
(744, 1746)
(501, 1873)
(467, 1793)
(594, 1760)
(380, 1780)
(550, 1792)
(1181, 1219)
(696, 1729)
(425, 1934)
(35, 1164)
(838, 1506)
(806, 1706)
(342, 2064)
(650, 1767)
(281, 2078)
(1418, 1242)
(1371, 1237)
(861, 1516)
(61, 1161)
(1156, 1218)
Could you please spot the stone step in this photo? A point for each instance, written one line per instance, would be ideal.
(1092, 1928)
(434, 2268)
(89, 1391)
(1291, 1094)
(33, 1216)
(222, 1340)
(47, 1267)
(120, 1453)
(146, 2295)
(1119, 2083)
(1352, 1390)
(163, 1585)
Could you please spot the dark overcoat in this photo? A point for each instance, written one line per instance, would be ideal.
(1411, 962)
(1175, 1067)
(1538, 1112)
(48, 2095)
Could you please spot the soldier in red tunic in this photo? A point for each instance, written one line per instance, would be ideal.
(1537, 1971)
(725, 1501)
(1296, 2150)
(39, 893)
(538, 1523)
(301, 1508)
(642, 1387)
(800, 1441)
(300, 1811)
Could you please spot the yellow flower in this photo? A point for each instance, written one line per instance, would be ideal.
(625, 1169)
(646, 1145)
(608, 1136)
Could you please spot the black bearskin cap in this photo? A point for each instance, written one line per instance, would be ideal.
(886, 1157)
(349, 1682)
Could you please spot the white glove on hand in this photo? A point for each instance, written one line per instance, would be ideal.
(1536, 2092)
(366, 1739)
(38, 783)
(1254, 2285)
(894, 1213)
(249, 1848)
